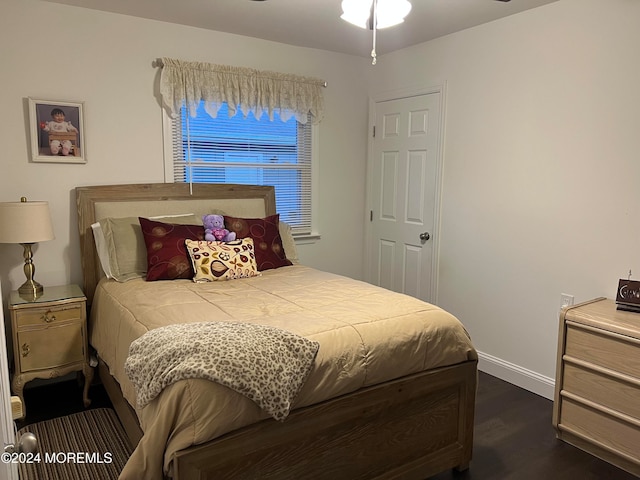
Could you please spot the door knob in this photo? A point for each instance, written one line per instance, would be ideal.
(424, 236)
(27, 443)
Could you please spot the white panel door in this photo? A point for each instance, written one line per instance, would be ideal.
(404, 174)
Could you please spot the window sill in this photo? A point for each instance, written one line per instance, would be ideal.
(306, 239)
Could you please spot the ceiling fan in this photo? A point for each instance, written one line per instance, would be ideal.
(377, 14)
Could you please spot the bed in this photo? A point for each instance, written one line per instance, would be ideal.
(390, 395)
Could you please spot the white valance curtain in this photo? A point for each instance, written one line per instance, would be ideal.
(188, 83)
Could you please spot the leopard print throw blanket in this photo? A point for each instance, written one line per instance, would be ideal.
(265, 364)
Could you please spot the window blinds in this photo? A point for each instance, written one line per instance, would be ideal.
(248, 151)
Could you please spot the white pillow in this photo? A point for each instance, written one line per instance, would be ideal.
(288, 243)
(101, 248)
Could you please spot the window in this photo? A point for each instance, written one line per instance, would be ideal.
(247, 150)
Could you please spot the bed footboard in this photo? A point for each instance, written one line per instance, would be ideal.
(413, 427)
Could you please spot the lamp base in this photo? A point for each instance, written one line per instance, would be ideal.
(30, 290)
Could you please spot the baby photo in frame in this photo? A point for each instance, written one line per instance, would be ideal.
(57, 131)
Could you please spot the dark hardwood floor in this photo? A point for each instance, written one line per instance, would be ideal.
(513, 438)
(57, 399)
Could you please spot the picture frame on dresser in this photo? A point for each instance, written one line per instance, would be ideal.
(57, 133)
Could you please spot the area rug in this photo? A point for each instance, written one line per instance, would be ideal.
(86, 445)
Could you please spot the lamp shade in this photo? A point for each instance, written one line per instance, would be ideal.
(25, 222)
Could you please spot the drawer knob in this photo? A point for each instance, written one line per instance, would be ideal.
(25, 349)
(47, 317)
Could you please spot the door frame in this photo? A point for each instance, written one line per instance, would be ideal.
(435, 236)
(8, 471)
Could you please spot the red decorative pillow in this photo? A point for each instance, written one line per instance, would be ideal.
(167, 256)
(267, 242)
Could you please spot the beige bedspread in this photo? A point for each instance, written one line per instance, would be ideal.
(367, 335)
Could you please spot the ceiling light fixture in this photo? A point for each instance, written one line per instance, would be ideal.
(375, 14)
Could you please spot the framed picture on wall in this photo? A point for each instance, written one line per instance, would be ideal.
(57, 131)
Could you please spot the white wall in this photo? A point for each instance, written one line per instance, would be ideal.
(541, 179)
(58, 52)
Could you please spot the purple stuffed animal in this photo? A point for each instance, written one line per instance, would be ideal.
(214, 229)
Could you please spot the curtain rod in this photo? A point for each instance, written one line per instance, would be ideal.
(158, 63)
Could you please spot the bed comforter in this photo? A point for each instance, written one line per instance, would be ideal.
(367, 335)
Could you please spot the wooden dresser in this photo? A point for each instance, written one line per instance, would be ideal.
(597, 395)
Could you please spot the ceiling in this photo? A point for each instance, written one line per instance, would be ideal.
(316, 23)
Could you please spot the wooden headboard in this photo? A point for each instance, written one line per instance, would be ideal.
(153, 199)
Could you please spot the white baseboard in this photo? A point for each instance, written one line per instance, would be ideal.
(517, 375)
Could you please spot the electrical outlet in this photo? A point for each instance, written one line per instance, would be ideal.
(565, 300)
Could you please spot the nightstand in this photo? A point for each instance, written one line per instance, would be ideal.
(50, 337)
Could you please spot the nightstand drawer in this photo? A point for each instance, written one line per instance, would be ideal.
(51, 347)
(614, 434)
(611, 351)
(48, 315)
(602, 389)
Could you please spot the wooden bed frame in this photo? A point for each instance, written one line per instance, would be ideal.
(412, 427)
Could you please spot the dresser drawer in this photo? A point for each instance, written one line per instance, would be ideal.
(48, 315)
(51, 347)
(613, 434)
(602, 389)
(611, 351)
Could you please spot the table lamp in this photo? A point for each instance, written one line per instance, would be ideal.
(26, 223)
